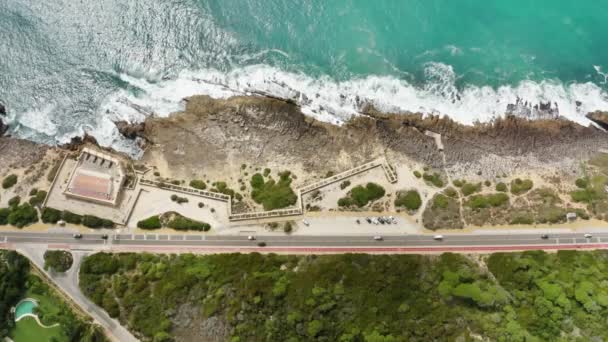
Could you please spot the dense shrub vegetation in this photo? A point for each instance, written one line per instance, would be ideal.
(50, 215)
(58, 261)
(183, 223)
(152, 222)
(13, 274)
(96, 222)
(9, 181)
(22, 215)
(360, 196)
(409, 199)
(519, 186)
(470, 188)
(273, 195)
(198, 184)
(502, 187)
(174, 221)
(531, 296)
(37, 199)
(486, 201)
(433, 178)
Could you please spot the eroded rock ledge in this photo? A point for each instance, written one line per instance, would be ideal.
(213, 132)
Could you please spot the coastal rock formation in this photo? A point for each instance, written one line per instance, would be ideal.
(212, 133)
(131, 130)
(2, 109)
(76, 142)
(3, 127)
(600, 118)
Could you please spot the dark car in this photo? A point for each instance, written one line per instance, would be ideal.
(544, 236)
(261, 244)
(77, 236)
(104, 236)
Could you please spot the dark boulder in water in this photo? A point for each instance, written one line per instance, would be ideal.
(2, 109)
(600, 118)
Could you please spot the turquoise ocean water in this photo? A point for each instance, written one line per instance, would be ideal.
(72, 66)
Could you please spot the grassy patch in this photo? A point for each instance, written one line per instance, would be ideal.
(28, 330)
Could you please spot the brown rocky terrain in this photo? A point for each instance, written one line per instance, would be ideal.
(215, 134)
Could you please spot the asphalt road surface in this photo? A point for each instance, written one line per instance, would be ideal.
(94, 241)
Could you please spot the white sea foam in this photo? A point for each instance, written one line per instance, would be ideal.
(328, 100)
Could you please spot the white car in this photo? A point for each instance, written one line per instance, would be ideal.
(251, 238)
(306, 223)
(375, 221)
(588, 236)
(378, 238)
(438, 237)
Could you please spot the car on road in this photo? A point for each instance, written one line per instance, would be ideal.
(438, 237)
(358, 221)
(588, 236)
(378, 238)
(306, 223)
(261, 244)
(251, 238)
(77, 236)
(544, 236)
(368, 220)
(104, 236)
(375, 221)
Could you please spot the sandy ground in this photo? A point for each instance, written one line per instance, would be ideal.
(155, 201)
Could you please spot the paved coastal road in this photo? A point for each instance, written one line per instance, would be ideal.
(299, 243)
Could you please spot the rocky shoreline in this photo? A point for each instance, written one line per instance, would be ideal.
(212, 134)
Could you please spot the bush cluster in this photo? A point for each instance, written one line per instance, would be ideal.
(198, 184)
(409, 199)
(9, 181)
(582, 183)
(58, 261)
(502, 187)
(22, 215)
(344, 184)
(434, 179)
(486, 201)
(96, 222)
(361, 196)
(179, 199)
(183, 223)
(469, 188)
(519, 186)
(152, 222)
(271, 194)
(37, 199)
